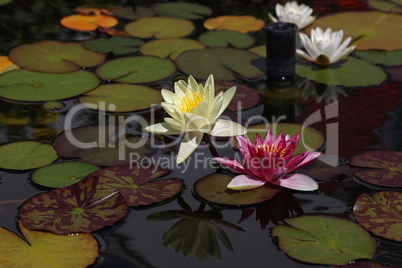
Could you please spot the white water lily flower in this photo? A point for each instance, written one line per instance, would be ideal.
(194, 109)
(324, 47)
(293, 13)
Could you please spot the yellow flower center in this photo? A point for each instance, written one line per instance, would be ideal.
(191, 100)
(271, 150)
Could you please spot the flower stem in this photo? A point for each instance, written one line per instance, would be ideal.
(210, 145)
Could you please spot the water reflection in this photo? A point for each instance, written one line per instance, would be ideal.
(321, 92)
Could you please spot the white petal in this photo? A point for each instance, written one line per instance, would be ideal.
(340, 52)
(174, 124)
(304, 55)
(167, 95)
(195, 122)
(245, 182)
(272, 18)
(227, 98)
(169, 108)
(190, 142)
(216, 107)
(210, 90)
(162, 128)
(192, 83)
(227, 128)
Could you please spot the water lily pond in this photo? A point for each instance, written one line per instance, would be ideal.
(149, 134)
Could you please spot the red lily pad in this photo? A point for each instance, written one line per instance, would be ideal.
(54, 57)
(213, 188)
(324, 240)
(44, 249)
(369, 30)
(171, 48)
(127, 12)
(395, 73)
(182, 10)
(244, 98)
(386, 168)
(141, 69)
(100, 145)
(136, 183)
(116, 44)
(67, 210)
(225, 38)
(160, 28)
(222, 62)
(380, 214)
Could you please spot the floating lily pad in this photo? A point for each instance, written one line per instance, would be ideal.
(81, 22)
(244, 98)
(243, 24)
(324, 240)
(182, 10)
(44, 249)
(260, 50)
(116, 44)
(7, 65)
(127, 12)
(170, 47)
(54, 57)
(137, 184)
(386, 168)
(394, 6)
(121, 97)
(23, 155)
(222, 62)
(160, 27)
(67, 210)
(388, 58)
(370, 29)
(380, 214)
(24, 85)
(101, 145)
(310, 139)
(225, 38)
(349, 72)
(62, 174)
(142, 69)
(213, 188)
(54, 106)
(4, 2)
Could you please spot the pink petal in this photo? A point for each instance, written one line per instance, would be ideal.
(301, 160)
(297, 182)
(269, 136)
(275, 174)
(232, 164)
(253, 165)
(245, 182)
(258, 140)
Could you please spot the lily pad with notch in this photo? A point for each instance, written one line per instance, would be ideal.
(213, 189)
(138, 184)
(384, 168)
(101, 145)
(121, 97)
(222, 62)
(68, 209)
(116, 44)
(141, 69)
(24, 85)
(182, 10)
(89, 20)
(387, 58)
(44, 249)
(225, 38)
(54, 57)
(324, 240)
(127, 12)
(171, 48)
(380, 214)
(244, 98)
(23, 155)
(62, 174)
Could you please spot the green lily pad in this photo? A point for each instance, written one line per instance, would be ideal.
(142, 69)
(260, 50)
(349, 72)
(380, 214)
(244, 98)
(116, 44)
(62, 174)
(324, 240)
(369, 30)
(182, 10)
(160, 28)
(24, 85)
(385, 168)
(394, 6)
(222, 62)
(137, 183)
(310, 138)
(54, 57)
(101, 145)
(23, 155)
(171, 48)
(4, 2)
(224, 38)
(388, 58)
(121, 97)
(127, 12)
(67, 210)
(44, 249)
(53, 106)
(213, 188)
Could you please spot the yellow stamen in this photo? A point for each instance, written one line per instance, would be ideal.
(271, 150)
(191, 100)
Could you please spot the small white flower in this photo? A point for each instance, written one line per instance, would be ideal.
(324, 47)
(293, 13)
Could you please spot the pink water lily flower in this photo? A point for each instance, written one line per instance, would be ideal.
(270, 160)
